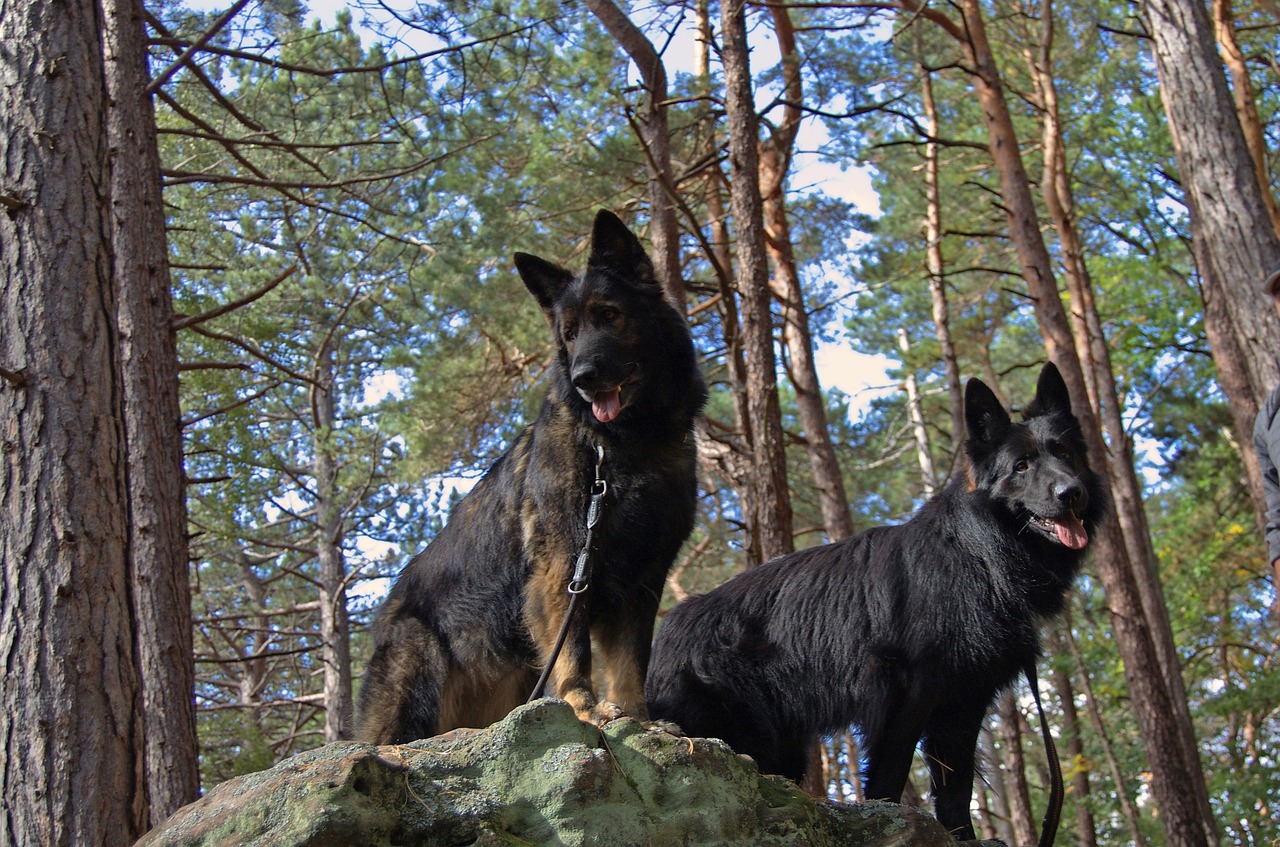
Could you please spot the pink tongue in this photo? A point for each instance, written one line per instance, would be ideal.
(1071, 532)
(607, 404)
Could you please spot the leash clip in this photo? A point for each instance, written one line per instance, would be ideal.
(578, 583)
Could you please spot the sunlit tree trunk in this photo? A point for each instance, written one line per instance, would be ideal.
(771, 506)
(149, 367)
(797, 336)
(1104, 397)
(924, 456)
(723, 453)
(936, 267)
(74, 750)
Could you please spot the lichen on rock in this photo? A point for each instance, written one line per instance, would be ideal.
(538, 777)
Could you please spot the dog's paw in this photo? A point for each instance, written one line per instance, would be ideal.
(669, 727)
(604, 712)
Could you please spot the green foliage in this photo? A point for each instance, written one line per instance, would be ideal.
(399, 195)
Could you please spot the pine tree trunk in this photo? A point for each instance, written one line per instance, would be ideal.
(1086, 831)
(1103, 736)
(335, 638)
(772, 506)
(149, 366)
(1015, 775)
(1228, 213)
(1177, 782)
(70, 697)
(656, 137)
(1104, 397)
(937, 282)
(1255, 138)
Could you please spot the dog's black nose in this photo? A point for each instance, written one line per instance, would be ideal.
(585, 377)
(1071, 494)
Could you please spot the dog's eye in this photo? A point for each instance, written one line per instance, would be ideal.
(570, 333)
(607, 316)
(1021, 466)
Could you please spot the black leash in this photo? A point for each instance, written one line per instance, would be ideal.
(581, 572)
(1057, 791)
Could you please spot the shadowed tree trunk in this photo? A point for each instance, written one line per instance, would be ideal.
(1228, 212)
(656, 137)
(1102, 735)
(1017, 794)
(152, 420)
(1086, 831)
(1224, 29)
(797, 336)
(70, 697)
(771, 507)
(1177, 782)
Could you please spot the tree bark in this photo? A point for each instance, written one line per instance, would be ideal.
(1177, 780)
(797, 335)
(70, 697)
(1228, 211)
(937, 280)
(656, 137)
(1091, 345)
(924, 457)
(772, 506)
(152, 420)
(335, 638)
(1103, 737)
(1015, 774)
(1255, 138)
(1086, 830)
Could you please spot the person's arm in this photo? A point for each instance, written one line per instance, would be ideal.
(1266, 441)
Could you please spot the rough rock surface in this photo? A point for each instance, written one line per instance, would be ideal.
(539, 777)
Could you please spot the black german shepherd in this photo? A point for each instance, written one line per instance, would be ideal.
(473, 617)
(908, 631)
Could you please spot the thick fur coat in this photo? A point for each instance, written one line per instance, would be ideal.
(473, 617)
(907, 631)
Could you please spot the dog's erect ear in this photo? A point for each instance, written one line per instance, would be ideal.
(545, 280)
(985, 419)
(615, 246)
(1051, 394)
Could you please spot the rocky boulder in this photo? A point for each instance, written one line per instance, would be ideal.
(539, 777)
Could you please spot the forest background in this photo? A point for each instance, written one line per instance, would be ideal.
(273, 379)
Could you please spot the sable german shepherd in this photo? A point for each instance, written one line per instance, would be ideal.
(473, 617)
(908, 631)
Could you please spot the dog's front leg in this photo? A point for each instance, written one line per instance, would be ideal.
(546, 606)
(623, 640)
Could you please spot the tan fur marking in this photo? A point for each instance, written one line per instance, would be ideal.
(477, 697)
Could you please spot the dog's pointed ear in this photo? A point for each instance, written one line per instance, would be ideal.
(545, 280)
(985, 420)
(1051, 394)
(615, 246)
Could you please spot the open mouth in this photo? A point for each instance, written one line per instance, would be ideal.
(1067, 529)
(605, 405)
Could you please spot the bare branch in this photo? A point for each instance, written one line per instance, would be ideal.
(185, 58)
